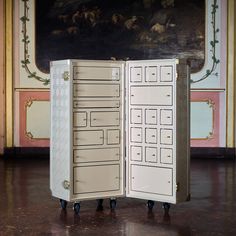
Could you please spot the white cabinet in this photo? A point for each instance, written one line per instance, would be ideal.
(99, 109)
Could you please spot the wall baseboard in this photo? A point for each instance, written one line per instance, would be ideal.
(196, 152)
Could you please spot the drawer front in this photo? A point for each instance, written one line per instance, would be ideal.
(96, 155)
(113, 136)
(80, 119)
(96, 73)
(136, 116)
(166, 117)
(166, 155)
(96, 90)
(166, 73)
(150, 135)
(136, 135)
(167, 136)
(91, 179)
(151, 154)
(151, 74)
(88, 137)
(151, 95)
(151, 116)
(136, 153)
(96, 104)
(136, 74)
(154, 180)
(110, 118)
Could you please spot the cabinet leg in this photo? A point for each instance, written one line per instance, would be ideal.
(76, 208)
(150, 204)
(112, 204)
(166, 207)
(99, 204)
(63, 204)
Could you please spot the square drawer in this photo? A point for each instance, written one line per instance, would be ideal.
(150, 135)
(166, 155)
(104, 118)
(166, 117)
(136, 135)
(113, 136)
(151, 154)
(80, 119)
(136, 74)
(136, 153)
(136, 116)
(167, 136)
(166, 73)
(151, 74)
(151, 116)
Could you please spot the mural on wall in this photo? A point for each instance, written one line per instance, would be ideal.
(121, 29)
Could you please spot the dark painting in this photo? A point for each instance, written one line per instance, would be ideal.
(120, 29)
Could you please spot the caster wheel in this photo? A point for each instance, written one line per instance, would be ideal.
(150, 204)
(99, 204)
(63, 204)
(76, 207)
(166, 206)
(112, 204)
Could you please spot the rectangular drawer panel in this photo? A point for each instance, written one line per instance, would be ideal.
(96, 73)
(88, 137)
(136, 74)
(136, 153)
(96, 104)
(166, 117)
(80, 119)
(151, 180)
(96, 90)
(151, 154)
(136, 116)
(151, 95)
(113, 136)
(151, 74)
(166, 155)
(151, 135)
(151, 116)
(166, 73)
(91, 179)
(167, 136)
(136, 135)
(103, 118)
(96, 155)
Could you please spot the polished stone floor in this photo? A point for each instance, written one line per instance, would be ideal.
(27, 208)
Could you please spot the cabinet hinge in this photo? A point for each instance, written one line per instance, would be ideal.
(177, 187)
(66, 184)
(65, 75)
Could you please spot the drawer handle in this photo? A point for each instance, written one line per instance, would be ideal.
(117, 136)
(169, 156)
(153, 117)
(138, 116)
(138, 153)
(168, 136)
(153, 155)
(132, 95)
(84, 119)
(138, 135)
(101, 137)
(168, 117)
(117, 154)
(168, 95)
(153, 136)
(153, 74)
(138, 74)
(168, 73)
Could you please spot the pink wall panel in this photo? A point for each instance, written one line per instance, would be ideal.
(24, 98)
(214, 99)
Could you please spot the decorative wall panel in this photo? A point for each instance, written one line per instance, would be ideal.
(34, 119)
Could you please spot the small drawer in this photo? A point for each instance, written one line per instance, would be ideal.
(80, 119)
(150, 135)
(166, 155)
(151, 74)
(167, 136)
(136, 74)
(151, 154)
(166, 117)
(113, 136)
(136, 153)
(166, 73)
(136, 135)
(104, 118)
(151, 116)
(88, 137)
(136, 116)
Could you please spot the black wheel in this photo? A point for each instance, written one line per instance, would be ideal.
(166, 206)
(76, 207)
(63, 204)
(150, 204)
(112, 204)
(99, 204)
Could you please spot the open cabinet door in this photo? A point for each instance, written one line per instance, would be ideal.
(157, 137)
(87, 157)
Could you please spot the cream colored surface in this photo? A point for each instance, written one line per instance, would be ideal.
(9, 72)
(88, 137)
(37, 117)
(231, 85)
(2, 78)
(104, 118)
